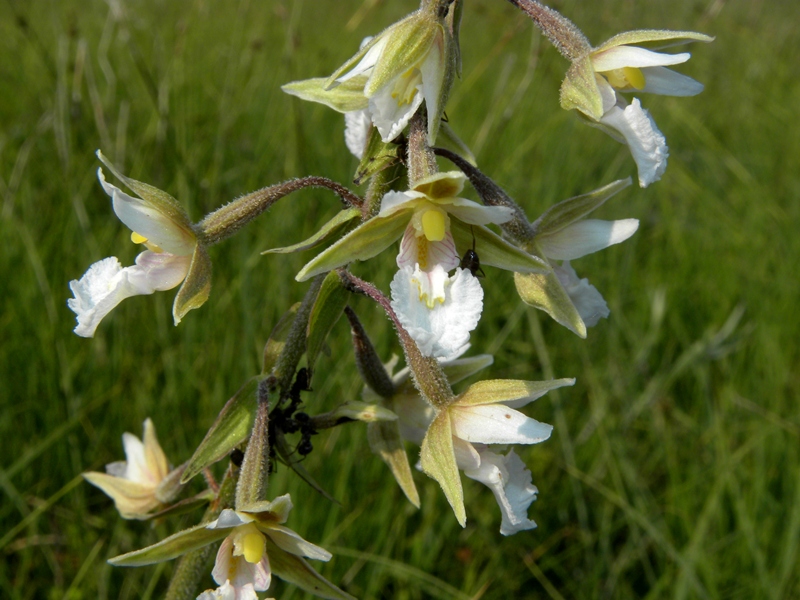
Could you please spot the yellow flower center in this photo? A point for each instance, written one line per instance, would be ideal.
(434, 225)
(406, 86)
(140, 239)
(626, 77)
(253, 546)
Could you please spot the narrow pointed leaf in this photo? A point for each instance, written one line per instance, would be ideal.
(546, 293)
(294, 569)
(328, 231)
(171, 547)
(579, 90)
(507, 390)
(327, 309)
(572, 209)
(196, 287)
(277, 339)
(385, 441)
(439, 462)
(370, 239)
(230, 429)
(494, 251)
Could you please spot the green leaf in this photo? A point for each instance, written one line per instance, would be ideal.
(231, 428)
(327, 309)
(385, 441)
(368, 240)
(546, 293)
(196, 287)
(493, 391)
(645, 36)
(277, 339)
(378, 155)
(573, 209)
(294, 569)
(579, 89)
(494, 251)
(330, 230)
(439, 462)
(346, 97)
(171, 547)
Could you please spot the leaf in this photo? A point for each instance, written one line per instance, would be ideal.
(294, 569)
(171, 547)
(327, 309)
(572, 209)
(330, 230)
(438, 460)
(494, 251)
(231, 428)
(196, 287)
(385, 441)
(546, 293)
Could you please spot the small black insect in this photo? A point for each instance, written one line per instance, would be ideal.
(471, 261)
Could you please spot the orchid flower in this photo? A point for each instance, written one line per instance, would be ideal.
(172, 256)
(595, 80)
(139, 484)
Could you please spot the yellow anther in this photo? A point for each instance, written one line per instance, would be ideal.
(434, 223)
(635, 77)
(626, 77)
(138, 239)
(253, 547)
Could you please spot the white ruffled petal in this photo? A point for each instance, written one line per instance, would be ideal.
(510, 482)
(143, 218)
(224, 592)
(633, 56)
(660, 80)
(356, 129)
(588, 301)
(441, 331)
(389, 116)
(106, 284)
(496, 424)
(585, 237)
(647, 144)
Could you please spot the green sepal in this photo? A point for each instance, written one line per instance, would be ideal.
(328, 307)
(277, 339)
(654, 36)
(179, 508)
(346, 97)
(330, 230)
(362, 411)
(378, 155)
(461, 368)
(573, 209)
(295, 570)
(406, 47)
(438, 460)
(546, 293)
(289, 457)
(580, 91)
(230, 429)
(385, 441)
(196, 287)
(492, 391)
(331, 82)
(369, 239)
(171, 547)
(161, 200)
(494, 251)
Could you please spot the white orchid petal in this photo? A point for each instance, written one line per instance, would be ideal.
(496, 424)
(441, 331)
(356, 129)
(143, 218)
(388, 115)
(229, 518)
(136, 468)
(510, 482)
(647, 144)
(291, 542)
(585, 237)
(660, 80)
(442, 253)
(393, 201)
(368, 60)
(224, 592)
(467, 456)
(633, 56)
(106, 284)
(433, 76)
(477, 214)
(587, 300)
(222, 564)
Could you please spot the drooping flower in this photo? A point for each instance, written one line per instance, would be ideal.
(438, 310)
(411, 61)
(173, 256)
(595, 80)
(139, 484)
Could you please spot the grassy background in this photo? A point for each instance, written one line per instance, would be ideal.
(673, 471)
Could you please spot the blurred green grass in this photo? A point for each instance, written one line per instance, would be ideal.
(673, 471)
